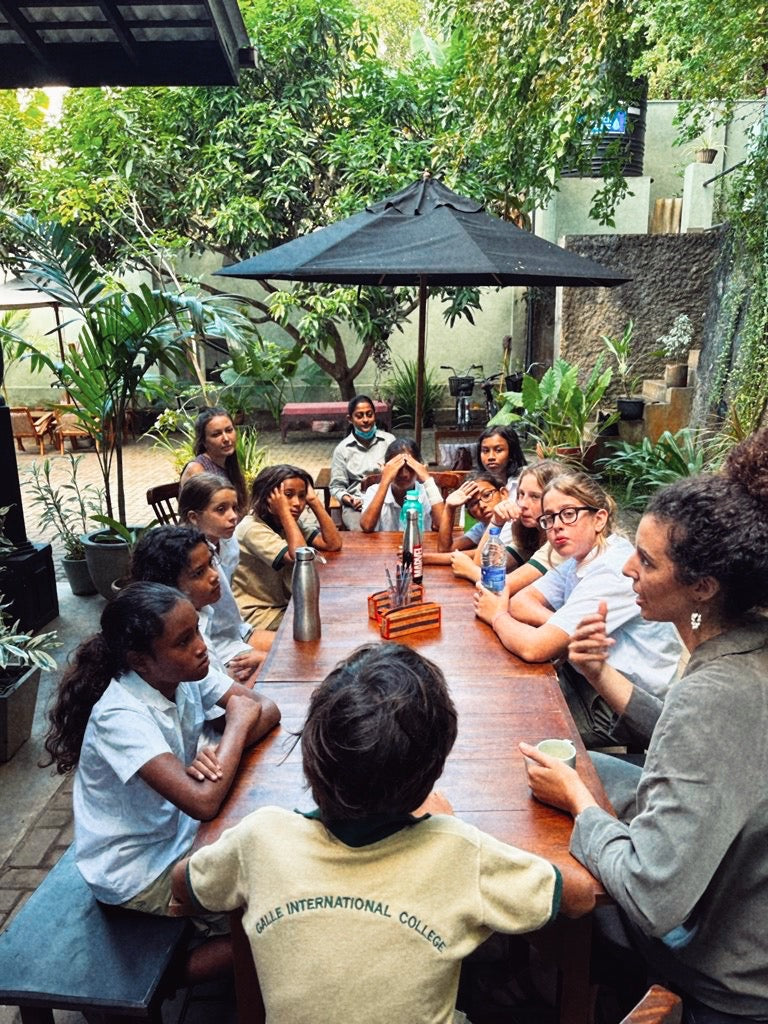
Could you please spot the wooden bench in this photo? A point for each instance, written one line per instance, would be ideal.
(64, 950)
(305, 413)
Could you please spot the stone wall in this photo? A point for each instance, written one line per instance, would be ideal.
(671, 274)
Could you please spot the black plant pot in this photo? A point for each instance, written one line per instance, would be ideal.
(18, 696)
(108, 557)
(630, 408)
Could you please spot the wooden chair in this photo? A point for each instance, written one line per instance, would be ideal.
(658, 1006)
(25, 427)
(164, 501)
(69, 427)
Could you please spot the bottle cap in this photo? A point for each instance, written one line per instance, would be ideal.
(304, 554)
(494, 530)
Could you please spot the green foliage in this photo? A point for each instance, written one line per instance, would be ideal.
(675, 344)
(549, 72)
(257, 375)
(702, 50)
(559, 411)
(323, 125)
(400, 388)
(620, 348)
(66, 508)
(21, 650)
(743, 327)
(174, 433)
(640, 469)
(124, 336)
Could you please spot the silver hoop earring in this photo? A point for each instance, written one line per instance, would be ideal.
(695, 620)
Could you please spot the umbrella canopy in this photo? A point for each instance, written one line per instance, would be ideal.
(424, 235)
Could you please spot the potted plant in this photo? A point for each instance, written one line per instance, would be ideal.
(629, 403)
(674, 348)
(559, 410)
(22, 657)
(68, 509)
(400, 388)
(125, 337)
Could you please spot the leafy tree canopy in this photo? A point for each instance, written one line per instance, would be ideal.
(321, 126)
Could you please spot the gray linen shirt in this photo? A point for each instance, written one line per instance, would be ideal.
(691, 869)
(352, 461)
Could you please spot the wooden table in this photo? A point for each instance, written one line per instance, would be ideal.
(500, 700)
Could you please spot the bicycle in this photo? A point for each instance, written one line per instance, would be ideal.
(490, 388)
(461, 386)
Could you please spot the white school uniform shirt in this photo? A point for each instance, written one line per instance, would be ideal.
(647, 653)
(224, 628)
(126, 833)
(389, 517)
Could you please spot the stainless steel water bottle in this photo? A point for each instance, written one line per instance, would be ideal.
(412, 552)
(306, 596)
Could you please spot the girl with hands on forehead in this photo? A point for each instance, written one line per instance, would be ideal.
(268, 539)
(403, 471)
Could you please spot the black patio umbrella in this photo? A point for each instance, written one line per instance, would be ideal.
(424, 235)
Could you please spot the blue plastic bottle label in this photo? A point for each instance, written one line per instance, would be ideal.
(493, 577)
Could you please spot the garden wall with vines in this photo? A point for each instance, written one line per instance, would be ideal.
(671, 274)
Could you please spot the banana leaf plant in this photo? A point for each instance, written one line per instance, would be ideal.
(125, 338)
(559, 411)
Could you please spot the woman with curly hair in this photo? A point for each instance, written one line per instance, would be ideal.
(688, 869)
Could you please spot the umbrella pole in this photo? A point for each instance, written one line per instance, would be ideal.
(420, 359)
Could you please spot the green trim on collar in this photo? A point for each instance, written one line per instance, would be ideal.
(365, 831)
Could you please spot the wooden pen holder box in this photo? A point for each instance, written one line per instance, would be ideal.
(413, 618)
(379, 602)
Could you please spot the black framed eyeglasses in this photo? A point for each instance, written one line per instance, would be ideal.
(567, 516)
(477, 498)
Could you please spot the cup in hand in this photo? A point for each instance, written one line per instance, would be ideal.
(563, 749)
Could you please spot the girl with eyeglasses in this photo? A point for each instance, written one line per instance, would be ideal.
(533, 555)
(687, 861)
(480, 493)
(536, 623)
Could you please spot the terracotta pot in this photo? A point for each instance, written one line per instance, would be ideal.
(706, 156)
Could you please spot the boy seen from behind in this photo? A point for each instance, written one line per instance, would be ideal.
(365, 907)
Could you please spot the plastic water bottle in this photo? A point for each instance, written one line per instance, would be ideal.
(412, 501)
(306, 596)
(493, 572)
(412, 550)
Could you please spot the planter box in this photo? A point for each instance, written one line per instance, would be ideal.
(17, 709)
